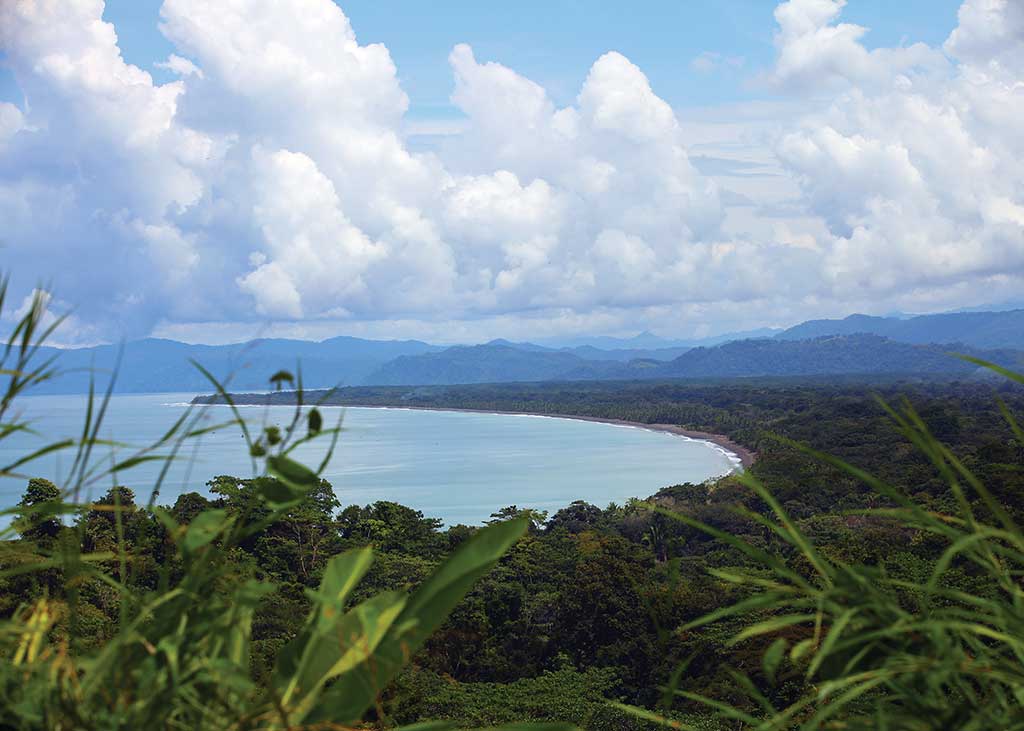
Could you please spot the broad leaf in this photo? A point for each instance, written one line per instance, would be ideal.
(204, 528)
(348, 699)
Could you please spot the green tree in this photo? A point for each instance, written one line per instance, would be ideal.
(537, 518)
(389, 526)
(35, 521)
(187, 506)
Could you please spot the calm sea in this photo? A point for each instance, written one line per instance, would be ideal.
(456, 466)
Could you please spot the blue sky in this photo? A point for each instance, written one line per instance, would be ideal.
(562, 167)
(554, 42)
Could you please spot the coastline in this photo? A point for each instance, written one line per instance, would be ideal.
(746, 456)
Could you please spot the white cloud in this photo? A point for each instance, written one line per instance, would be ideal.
(814, 51)
(274, 178)
(315, 257)
(989, 35)
(917, 179)
(180, 66)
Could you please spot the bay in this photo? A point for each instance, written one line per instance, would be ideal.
(457, 466)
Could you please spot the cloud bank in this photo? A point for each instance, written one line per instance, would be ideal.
(273, 181)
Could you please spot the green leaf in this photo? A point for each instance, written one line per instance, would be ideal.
(771, 625)
(648, 715)
(239, 635)
(296, 478)
(342, 573)
(204, 528)
(773, 657)
(281, 377)
(353, 693)
(315, 422)
(345, 643)
(831, 639)
(801, 648)
(42, 452)
(142, 459)
(1012, 375)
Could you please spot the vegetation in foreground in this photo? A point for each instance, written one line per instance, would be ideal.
(98, 642)
(807, 594)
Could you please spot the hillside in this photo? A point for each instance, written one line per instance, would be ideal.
(978, 329)
(490, 363)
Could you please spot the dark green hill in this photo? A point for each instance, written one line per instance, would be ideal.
(834, 354)
(831, 355)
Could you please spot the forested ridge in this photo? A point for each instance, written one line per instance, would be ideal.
(591, 604)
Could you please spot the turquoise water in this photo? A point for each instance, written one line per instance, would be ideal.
(456, 466)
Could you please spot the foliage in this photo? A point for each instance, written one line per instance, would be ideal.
(559, 695)
(805, 593)
(935, 646)
(171, 606)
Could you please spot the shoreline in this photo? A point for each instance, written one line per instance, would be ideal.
(745, 456)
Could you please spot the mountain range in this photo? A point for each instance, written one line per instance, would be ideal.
(858, 344)
(857, 354)
(978, 329)
(155, 365)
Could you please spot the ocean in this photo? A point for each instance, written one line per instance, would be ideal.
(456, 466)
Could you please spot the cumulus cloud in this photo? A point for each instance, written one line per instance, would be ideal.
(273, 179)
(315, 258)
(615, 161)
(989, 35)
(816, 51)
(917, 176)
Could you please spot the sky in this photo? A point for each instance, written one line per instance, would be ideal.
(460, 171)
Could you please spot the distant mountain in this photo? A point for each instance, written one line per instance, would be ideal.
(862, 345)
(977, 329)
(844, 354)
(857, 354)
(1014, 304)
(650, 341)
(490, 363)
(644, 341)
(531, 347)
(588, 352)
(155, 365)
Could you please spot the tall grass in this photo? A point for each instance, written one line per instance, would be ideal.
(179, 656)
(872, 650)
(863, 649)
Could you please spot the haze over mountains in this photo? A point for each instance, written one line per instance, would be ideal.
(858, 344)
